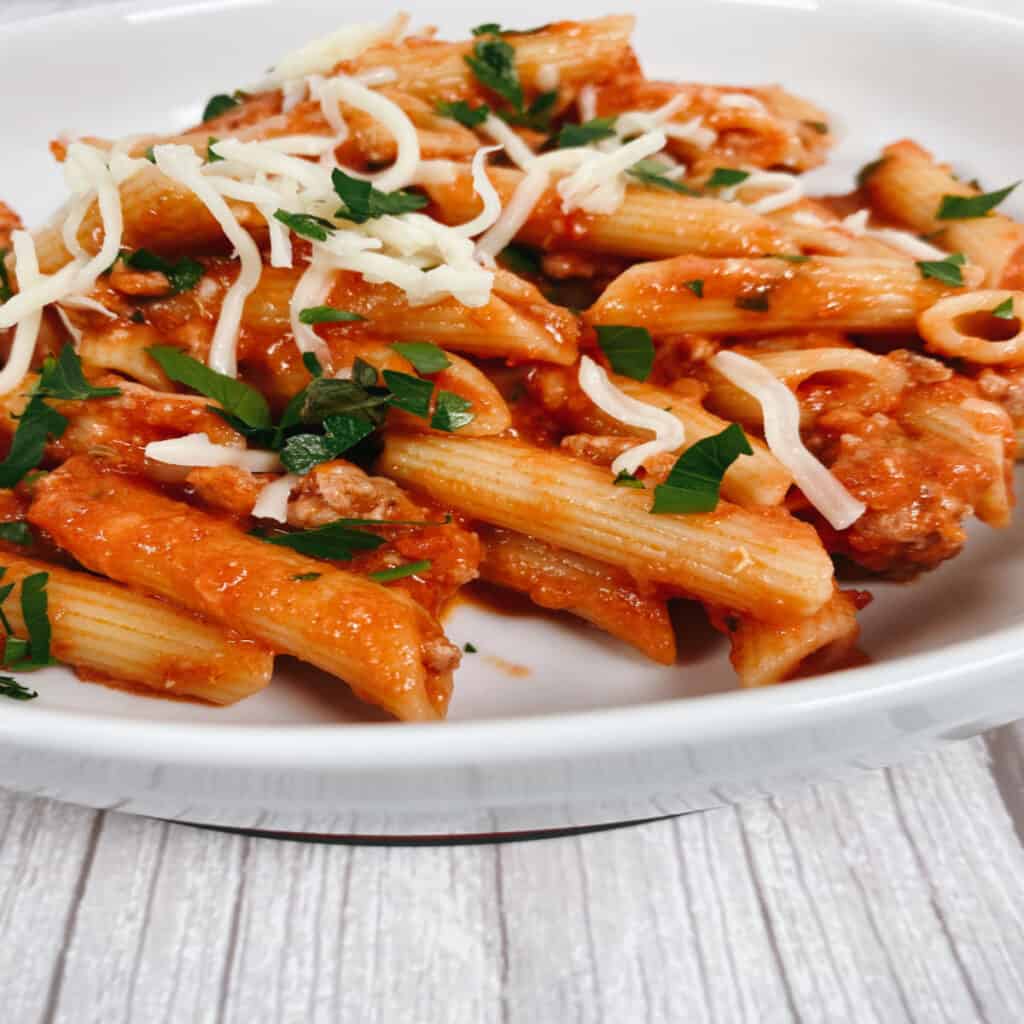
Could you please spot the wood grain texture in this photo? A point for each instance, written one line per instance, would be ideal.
(898, 897)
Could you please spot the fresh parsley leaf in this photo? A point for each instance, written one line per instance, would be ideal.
(362, 202)
(217, 105)
(306, 224)
(520, 259)
(756, 302)
(15, 652)
(327, 396)
(150, 155)
(970, 207)
(235, 398)
(409, 393)
(947, 271)
(183, 275)
(461, 111)
(363, 373)
(6, 291)
(16, 533)
(35, 424)
(652, 172)
(14, 690)
(594, 130)
(488, 28)
(63, 378)
(301, 452)
(212, 156)
(306, 577)
(789, 257)
(470, 648)
(451, 412)
(137, 316)
(821, 127)
(34, 613)
(312, 364)
(630, 350)
(399, 572)
(696, 286)
(327, 315)
(1004, 311)
(537, 116)
(494, 63)
(335, 540)
(694, 482)
(425, 356)
(625, 479)
(867, 170)
(724, 177)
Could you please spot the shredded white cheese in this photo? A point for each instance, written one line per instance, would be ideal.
(272, 502)
(313, 288)
(586, 103)
(199, 450)
(517, 151)
(781, 412)
(27, 331)
(491, 210)
(857, 225)
(741, 101)
(598, 186)
(668, 431)
(347, 43)
(786, 190)
(516, 213)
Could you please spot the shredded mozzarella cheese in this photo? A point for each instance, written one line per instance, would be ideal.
(89, 174)
(272, 502)
(185, 167)
(668, 431)
(787, 189)
(347, 43)
(781, 412)
(313, 287)
(515, 214)
(491, 209)
(517, 151)
(199, 450)
(597, 186)
(27, 331)
(857, 225)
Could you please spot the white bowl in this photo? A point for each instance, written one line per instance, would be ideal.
(590, 733)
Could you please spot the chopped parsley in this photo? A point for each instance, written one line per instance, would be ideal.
(337, 540)
(327, 396)
(212, 156)
(630, 350)
(183, 276)
(62, 378)
(411, 394)
(470, 648)
(306, 577)
(694, 482)
(425, 356)
(219, 104)
(970, 207)
(594, 130)
(16, 533)
(947, 271)
(362, 202)
(14, 690)
(305, 224)
(756, 302)
(520, 259)
(400, 572)
(493, 62)
(1004, 311)
(327, 315)
(21, 654)
(488, 28)
(625, 479)
(6, 291)
(461, 111)
(696, 286)
(725, 177)
(301, 452)
(537, 116)
(451, 412)
(150, 155)
(652, 172)
(237, 399)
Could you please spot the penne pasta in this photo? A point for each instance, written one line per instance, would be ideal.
(760, 296)
(384, 645)
(762, 561)
(112, 633)
(560, 580)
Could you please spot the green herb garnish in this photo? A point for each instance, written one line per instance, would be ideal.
(305, 224)
(971, 207)
(217, 105)
(399, 572)
(1004, 311)
(594, 130)
(14, 690)
(461, 111)
(62, 378)
(425, 356)
(625, 479)
(789, 257)
(307, 577)
(451, 412)
(16, 533)
(520, 259)
(327, 315)
(212, 156)
(756, 302)
(38, 422)
(694, 482)
(821, 127)
(470, 648)
(182, 276)
(412, 394)
(337, 541)
(362, 202)
(630, 350)
(6, 291)
(696, 286)
(651, 172)
(493, 62)
(726, 177)
(301, 452)
(947, 271)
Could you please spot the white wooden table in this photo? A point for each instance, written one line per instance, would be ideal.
(899, 897)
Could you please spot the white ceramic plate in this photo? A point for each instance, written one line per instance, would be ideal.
(587, 732)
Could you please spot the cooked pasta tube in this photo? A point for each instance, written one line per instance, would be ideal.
(121, 348)
(964, 327)
(107, 630)
(605, 596)
(518, 322)
(651, 223)
(763, 653)
(907, 186)
(956, 416)
(881, 381)
(760, 296)
(384, 645)
(578, 51)
(762, 561)
(759, 479)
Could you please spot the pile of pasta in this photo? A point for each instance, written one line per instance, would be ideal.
(412, 313)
